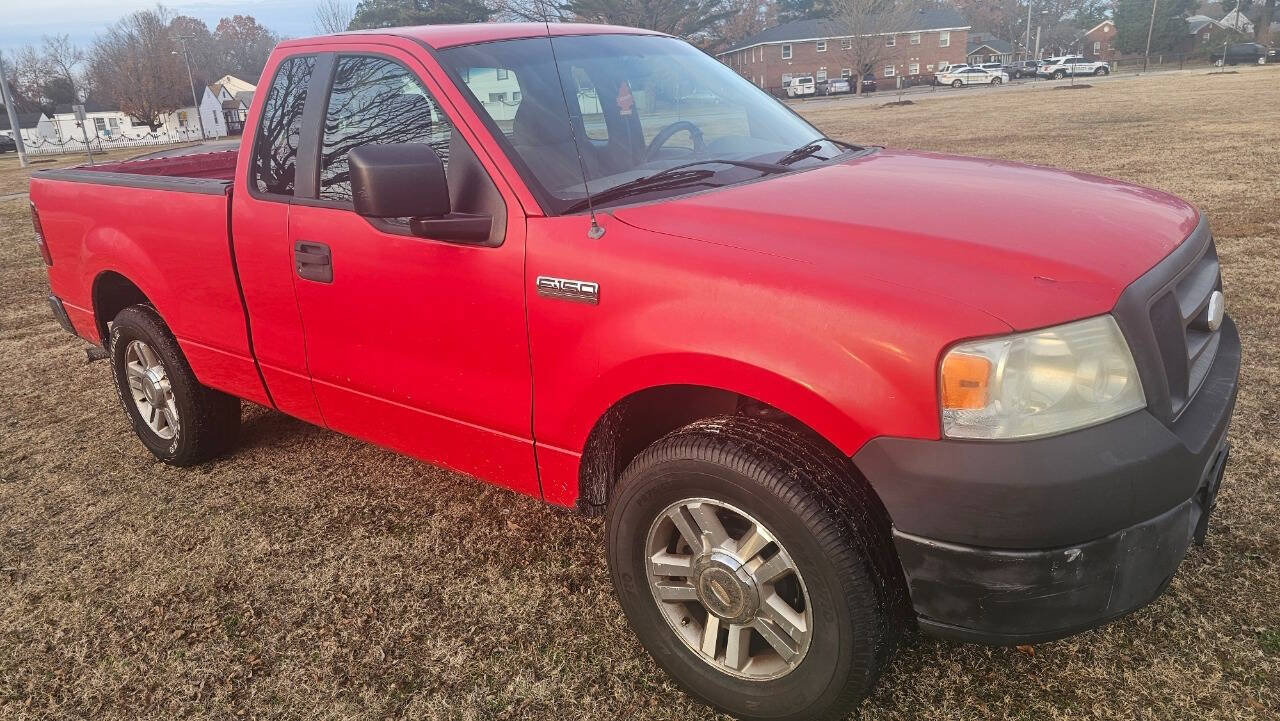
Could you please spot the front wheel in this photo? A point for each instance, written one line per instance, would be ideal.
(1101, 71)
(179, 420)
(996, 81)
(744, 556)
(956, 83)
(1059, 74)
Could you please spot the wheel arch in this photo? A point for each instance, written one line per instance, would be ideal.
(111, 293)
(639, 418)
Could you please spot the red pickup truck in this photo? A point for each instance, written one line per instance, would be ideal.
(593, 265)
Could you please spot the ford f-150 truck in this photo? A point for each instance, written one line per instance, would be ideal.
(593, 265)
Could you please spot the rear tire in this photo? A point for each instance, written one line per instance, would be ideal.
(179, 420)
(823, 525)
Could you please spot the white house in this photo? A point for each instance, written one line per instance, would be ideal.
(29, 123)
(223, 107)
(100, 121)
(1236, 20)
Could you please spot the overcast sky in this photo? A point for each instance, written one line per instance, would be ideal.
(25, 21)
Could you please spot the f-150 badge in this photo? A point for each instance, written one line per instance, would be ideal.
(581, 291)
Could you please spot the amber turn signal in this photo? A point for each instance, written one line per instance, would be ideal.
(964, 381)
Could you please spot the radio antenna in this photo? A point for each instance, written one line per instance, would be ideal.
(595, 232)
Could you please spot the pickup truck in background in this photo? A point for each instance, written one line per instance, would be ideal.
(816, 418)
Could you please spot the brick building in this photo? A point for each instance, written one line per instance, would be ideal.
(932, 40)
(1099, 42)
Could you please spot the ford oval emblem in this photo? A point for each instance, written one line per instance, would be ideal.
(1217, 309)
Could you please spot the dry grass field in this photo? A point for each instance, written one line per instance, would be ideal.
(313, 576)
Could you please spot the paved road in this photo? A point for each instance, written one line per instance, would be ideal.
(927, 92)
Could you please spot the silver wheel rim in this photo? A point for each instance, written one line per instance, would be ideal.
(728, 589)
(149, 387)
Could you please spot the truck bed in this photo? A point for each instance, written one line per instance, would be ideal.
(209, 173)
(163, 226)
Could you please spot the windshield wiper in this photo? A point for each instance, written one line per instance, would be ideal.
(812, 147)
(677, 176)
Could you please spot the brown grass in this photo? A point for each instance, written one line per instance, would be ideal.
(313, 576)
(13, 177)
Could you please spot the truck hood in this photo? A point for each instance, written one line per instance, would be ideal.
(1031, 246)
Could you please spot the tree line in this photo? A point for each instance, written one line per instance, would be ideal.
(138, 64)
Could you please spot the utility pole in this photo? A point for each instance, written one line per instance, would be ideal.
(7, 98)
(199, 116)
(1037, 57)
(1026, 40)
(1147, 55)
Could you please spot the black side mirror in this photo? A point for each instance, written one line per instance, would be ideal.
(406, 180)
(401, 180)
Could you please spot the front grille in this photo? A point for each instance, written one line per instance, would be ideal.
(1164, 316)
(1179, 318)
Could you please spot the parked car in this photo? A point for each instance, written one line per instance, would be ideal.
(1022, 68)
(800, 86)
(7, 144)
(1060, 67)
(868, 83)
(970, 76)
(993, 67)
(834, 86)
(981, 423)
(1244, 53)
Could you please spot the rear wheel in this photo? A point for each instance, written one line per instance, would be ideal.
(748, 559)
(179, 420)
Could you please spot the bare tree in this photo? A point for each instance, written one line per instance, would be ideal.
(65, 60)
(333, 16)
(870, 24)
(1262, 30)
(134, 64)
(536, 11)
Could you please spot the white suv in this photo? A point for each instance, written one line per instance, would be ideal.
(802, 85)
(969, 76)
(1060, 67)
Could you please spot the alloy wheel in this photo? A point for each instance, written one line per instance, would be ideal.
(150, 389)
(728, 589)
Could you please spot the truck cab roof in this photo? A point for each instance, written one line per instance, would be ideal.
(439, 37)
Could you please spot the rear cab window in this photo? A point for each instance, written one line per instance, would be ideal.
(275, 150)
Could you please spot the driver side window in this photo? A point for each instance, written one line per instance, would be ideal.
(375, 101)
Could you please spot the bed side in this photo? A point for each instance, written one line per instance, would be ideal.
(166, 235)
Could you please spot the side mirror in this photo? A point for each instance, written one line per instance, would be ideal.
(400, 180)
(406, 180)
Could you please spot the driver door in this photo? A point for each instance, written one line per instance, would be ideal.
(418, 344)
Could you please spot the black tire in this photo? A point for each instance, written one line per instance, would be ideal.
(1101, 71)
(811, 499)
(1059, 74)
(996, 81)
(208, 420)
(957, 83)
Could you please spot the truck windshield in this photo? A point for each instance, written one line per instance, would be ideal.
(637, 104)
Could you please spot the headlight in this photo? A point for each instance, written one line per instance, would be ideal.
(1039, 383)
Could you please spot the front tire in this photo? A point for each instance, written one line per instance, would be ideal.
(1101, 71)
(179, 420)
(1059, 74)
(756, 569)
(996, 81)
(956, 83)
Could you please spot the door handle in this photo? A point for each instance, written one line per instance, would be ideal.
(313, 261)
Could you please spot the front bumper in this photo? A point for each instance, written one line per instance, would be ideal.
(1027, 541)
